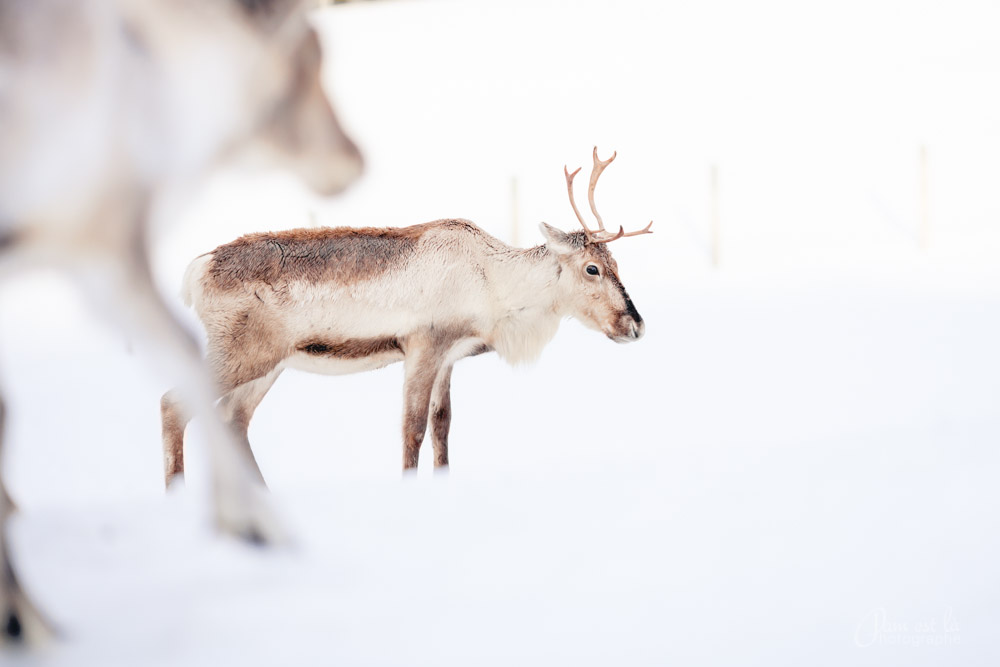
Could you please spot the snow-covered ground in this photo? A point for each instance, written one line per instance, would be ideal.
(797, 465)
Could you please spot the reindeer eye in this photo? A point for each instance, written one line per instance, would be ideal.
(592, 270)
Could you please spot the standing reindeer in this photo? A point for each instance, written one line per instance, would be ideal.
(347, 300)
(104, 104)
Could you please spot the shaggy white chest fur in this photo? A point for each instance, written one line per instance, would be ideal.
(521, 336)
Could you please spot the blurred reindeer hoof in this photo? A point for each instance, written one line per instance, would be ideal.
(12, 628)
(251, 519)
(254, 538)
(22, 625)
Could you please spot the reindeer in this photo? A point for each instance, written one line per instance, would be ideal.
(106, 104)
(345, 300)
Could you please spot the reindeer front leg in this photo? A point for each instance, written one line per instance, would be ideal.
(441, 417)
(173, 420)
(421, 366)
(19, 620)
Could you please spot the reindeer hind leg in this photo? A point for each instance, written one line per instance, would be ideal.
(238, 407)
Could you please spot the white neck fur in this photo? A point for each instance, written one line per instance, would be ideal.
(528, 293)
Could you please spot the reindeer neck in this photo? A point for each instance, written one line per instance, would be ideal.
(526, 283)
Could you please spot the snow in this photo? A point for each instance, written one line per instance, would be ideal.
(804, 443)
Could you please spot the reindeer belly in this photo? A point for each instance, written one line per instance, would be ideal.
(344, 356)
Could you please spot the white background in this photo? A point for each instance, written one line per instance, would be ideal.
(805, 439)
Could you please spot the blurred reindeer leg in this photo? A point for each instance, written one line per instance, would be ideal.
(174, 420)
(131, 298)
(238, 407)
(19, 620)
(241, 394)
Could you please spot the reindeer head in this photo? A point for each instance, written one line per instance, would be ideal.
(298, 128)
(588, 278)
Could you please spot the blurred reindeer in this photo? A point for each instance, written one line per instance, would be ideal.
(104, 105)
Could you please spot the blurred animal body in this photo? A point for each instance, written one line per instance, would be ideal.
(104, 105)
(347, 300)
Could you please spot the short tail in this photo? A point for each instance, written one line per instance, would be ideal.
(193, 278)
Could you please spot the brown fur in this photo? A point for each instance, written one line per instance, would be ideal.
(351, 349)
(440, 410)
(417, 391)
(244, 349)
(343, 255)
(423, 363)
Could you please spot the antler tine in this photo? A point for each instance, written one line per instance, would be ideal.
(608, 239)
(644, 230)
(599, 166)
(572, 200)
(622, 234)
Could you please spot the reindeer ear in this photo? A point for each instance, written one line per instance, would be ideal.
(557, 240)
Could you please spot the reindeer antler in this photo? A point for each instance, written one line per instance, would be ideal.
(572, 200)
(600, 235)
(622, 234)
(595, 174)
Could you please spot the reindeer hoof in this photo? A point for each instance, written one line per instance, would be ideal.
(250, 517)
(261, 530)
(12, 628)
(254, 537)
(23, 625)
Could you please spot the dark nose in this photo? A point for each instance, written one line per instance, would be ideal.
(631, 311)
(638, 328)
